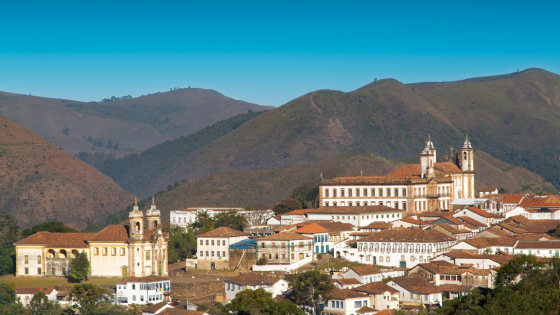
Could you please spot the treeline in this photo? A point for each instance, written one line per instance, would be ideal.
(134, 172)
(114, 98)
(538, 292)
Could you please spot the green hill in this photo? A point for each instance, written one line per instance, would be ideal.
(134, 172)
(136, 124)
(269, 187)
(515, 118)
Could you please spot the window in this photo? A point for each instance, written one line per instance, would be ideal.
(349, 192)
(39, 271)
(223, 242)
(357, 304)
(212, 253)
(104, 250)
(380, 258)
(357, 192)
(349, 204)
(326, 204)
(201, 253)
(133, 287)
(388, 192)
(373, 192)
(223, 254)
(365, 192)
(276, 256)
(404, 192)
(201, 242)
(53, 271)
(404, 205)
(326, 192)
(334, 192)
(396, 206)
(26, 259)
(123, 251)
(206, 242)
(380, 192)
(342, 192)
(396, 192)
(26, 270)
(113, 251)
(283, 256)
(148, 255)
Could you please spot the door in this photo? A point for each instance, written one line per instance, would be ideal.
(374, 260)
(403, 264)
(327, 249)
(124, 272)
(213, 266)
(322, 248)
(300, 256)
(317, 248)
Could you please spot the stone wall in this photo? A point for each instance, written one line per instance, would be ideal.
(247, 260)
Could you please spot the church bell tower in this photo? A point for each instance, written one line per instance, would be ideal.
(136, 223)
(153, 217)
(427, 158)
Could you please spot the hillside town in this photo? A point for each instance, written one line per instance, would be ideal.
(405, 243)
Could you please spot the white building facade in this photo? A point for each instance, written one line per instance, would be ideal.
(358, 216)
(141, 291)
(213, 247)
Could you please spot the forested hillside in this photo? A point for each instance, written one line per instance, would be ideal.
(134, 172)
(515, 118)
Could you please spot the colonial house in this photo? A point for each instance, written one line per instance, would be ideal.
(367, 273)
(400, 248)
(446, 273)
(213, 247)
(26, 294)
(284, 248)
(346, 302)
(347, 283)
(479, 215)
(382, 296)
(142, 291)
(487, 245)
(253, 281)
(320, 236)
(538, 248)
(417, 289)
(487, 190)
(420, 187)
(138, 248)
(294, 217)
(359, 216)
(480, 261)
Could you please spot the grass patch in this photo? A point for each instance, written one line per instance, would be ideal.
(22, 282)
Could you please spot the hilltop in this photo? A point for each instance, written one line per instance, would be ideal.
(269, 187)
(40, 182)
(135, 124)
(515, 118)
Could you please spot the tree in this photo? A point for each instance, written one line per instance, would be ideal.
(307, 195)
(79, 267)
(508, 273)
(89, 138)
(66, 131)
(231, 219)
(41, 305)
(255, 216)
(286, 205)
(502, 190)
(259, 301)
(312, 287)
(181, 245)
(50, 226)
(262, 261)
(91, 298)
(9, 234)
(116, 146)
(109, 144)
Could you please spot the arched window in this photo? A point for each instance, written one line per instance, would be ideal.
(326, 204)
(137, 226)
(417, 248)
(376, 247)
(423, 248)
(406, 248)
(396, 205)
(404, 205)
(400, 248)
(430, 248)
(464, 155)
(334, 192)
(326, 192)
(349, 192)
(382, 247)
(396, 192)
(63, 254)
(404, 192)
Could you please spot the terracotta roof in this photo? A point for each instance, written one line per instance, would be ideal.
(472, 221)
(416, 235)
(451, 229)
(304, 223)
(442, 267)
(513, 199)
(509, 227)
(112, 233)
(348, 281)
(337, 226)
(223, 231)
(46, 290)
(487, 188)
(377, 225)
(311, 229)
(538, 245)
(253, 278)
(341, 294)
(455, 288)
(285, 228)
(57, 240)
(177, 311)
(366, 270)
(150, 278)
(534, 236)
(356, 210)
(366, 309)
(451, 219)
(482, 212)
(485, 242)
(415, 170)
(284, 236)
(154, 308)
(434, 214)
(496, 232)
(379, 287)
(417, 285)
(461, 254)
(413, 221)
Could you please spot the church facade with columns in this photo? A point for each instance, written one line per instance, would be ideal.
(427, 186)
(135, 249)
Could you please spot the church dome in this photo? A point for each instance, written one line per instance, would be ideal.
(466, 144)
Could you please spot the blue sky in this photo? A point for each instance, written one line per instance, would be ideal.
(265, 52)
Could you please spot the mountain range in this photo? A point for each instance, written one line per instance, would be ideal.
(136, 124)
(514, 117)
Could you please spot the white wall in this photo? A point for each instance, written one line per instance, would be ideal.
(283, 267)
(275, 289)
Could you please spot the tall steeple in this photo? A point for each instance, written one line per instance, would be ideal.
(153, 216)
(136, 222)
(427, 157)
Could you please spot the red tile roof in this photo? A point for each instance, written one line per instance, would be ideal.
(178, 311)
(485, 242)
(482, 212)
(513, 198)
(223, 231)
(413, 221)
(112, 233)
(154, 308)
(379, 287)
(341, 294)
(365, 309)
(284, 236)
(311, 229)
(297, 212)
(455, 288)
(472, 221)
(365, 270)
(350, 281)
(57, 240)
(417, 285)
(416, 235)
(538, 245)
(377, 225)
